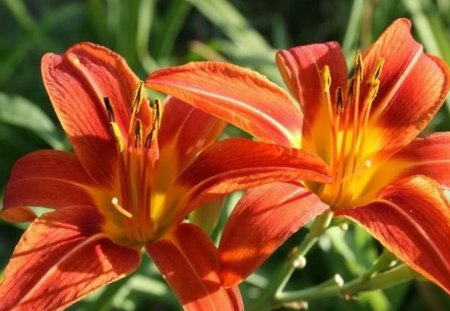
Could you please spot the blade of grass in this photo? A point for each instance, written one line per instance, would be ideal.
(18, 111)
(144, 25)
(173, 21)
(26, 21)
(424, 27)
(353, 27)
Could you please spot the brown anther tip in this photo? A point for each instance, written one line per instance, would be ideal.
(138, 97)
(109, 108)
(138, 134)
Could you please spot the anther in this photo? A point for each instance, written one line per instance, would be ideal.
(326, 75)
(359, 67)
(138, 97)
(115, 130)
(339, 98)
(157, 113)
(350, 89)
(151, 135)
(109, 109)
(375, 78)
(138, 134)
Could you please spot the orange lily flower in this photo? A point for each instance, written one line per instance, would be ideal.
(365, 128)
(135, 174)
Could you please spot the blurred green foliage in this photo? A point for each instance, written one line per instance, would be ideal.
(151, 34)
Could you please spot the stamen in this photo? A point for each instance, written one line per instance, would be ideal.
(138, 134)
(138, 97)
(359, 67)
(109, 109)
(326, 80)
(115, 130)
(158, 112)
(151, 135)
(120, 209)
(377, 71)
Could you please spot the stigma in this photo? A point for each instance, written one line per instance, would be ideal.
(349, 111)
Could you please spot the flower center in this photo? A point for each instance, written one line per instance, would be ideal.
(129, 212)
(349, 121)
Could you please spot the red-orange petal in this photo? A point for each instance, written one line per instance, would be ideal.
(411, 218)
(185, 131)
(239, 96)
(45, 178)
(238, 163)
(187, 259)
(61, 258)
(77, 81)
(302, 70)
(413, 85)
(429, 156)
(263, 219)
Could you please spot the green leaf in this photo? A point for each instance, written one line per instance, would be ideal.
(18, 111)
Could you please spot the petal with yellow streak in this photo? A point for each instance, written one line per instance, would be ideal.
(77, 81)
(411, 218)
(61, 258)
(185, 131)
(413, 86)
(302, 70)
(187, 259)
(46, 178)
(239, 96)
(262, 220)
(237, 163)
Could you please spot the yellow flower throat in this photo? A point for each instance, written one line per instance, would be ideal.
(350, 145)
(128, 213)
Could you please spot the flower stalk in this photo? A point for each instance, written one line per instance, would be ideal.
(275, 289)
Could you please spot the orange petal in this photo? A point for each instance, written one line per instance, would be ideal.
(263, 219)
(429, 156)
(46, 178)
(302, 71)
(61, 258)
(185, 131)
(413, 85)
(77, 81)
(237, 163)
(239, 96)
(188, 260)
(411, 218)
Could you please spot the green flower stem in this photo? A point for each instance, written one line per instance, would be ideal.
(268, 296)
(384, 261)
(396, 275)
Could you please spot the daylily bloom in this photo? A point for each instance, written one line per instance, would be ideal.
(365, 128)
(135, 174)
